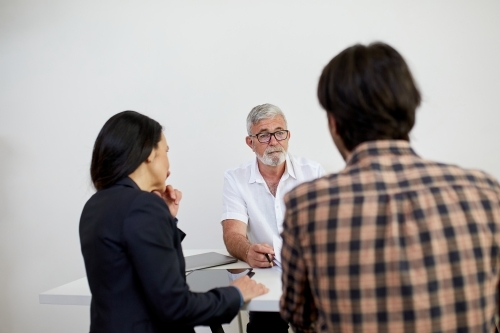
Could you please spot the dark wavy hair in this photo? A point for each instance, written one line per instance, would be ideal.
(371, 94)
(125, 141)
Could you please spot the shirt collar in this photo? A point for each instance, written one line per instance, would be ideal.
(289, 167)
(255, 175)
(127, 181)
(380, 147)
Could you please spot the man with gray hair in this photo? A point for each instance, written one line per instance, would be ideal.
(253, 207)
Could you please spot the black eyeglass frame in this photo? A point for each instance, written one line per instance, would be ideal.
(270, 135)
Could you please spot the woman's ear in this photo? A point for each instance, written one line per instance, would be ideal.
(151, 156)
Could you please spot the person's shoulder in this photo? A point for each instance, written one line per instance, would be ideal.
(127, 203)
(473, 177)
(240, 170)
(313, 189)
(148, 200)
(151, 208)
(307, 166)
(114, 195)
(136, 194)
(133, 201)
(304, 162)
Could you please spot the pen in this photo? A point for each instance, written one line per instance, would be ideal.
(250, 273)
(269, 259)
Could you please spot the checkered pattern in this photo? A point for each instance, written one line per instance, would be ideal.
(393, 243)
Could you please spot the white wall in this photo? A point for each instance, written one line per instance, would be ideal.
(198, 67)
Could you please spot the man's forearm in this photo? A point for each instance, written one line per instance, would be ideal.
(237, 245)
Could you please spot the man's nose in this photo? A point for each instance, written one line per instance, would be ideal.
(273, 141)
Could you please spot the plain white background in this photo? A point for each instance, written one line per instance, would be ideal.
(198, 67)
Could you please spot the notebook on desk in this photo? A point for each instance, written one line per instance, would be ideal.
(207, 279)
(206, 260)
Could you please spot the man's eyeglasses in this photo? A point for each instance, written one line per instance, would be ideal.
(266, 137)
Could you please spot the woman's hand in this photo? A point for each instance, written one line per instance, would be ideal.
(172, 198)
(249, 288)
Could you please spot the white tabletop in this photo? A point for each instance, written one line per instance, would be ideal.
(78, 292)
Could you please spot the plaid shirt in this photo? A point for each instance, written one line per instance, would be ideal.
(393, 243)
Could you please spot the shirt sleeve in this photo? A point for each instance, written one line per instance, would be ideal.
(153, 244)
(321, 171)
(296, 303)
(242, 301)
(234, 206)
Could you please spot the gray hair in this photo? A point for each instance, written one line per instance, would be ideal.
(264, 111)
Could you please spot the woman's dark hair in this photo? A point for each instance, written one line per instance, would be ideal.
(125, 141)
(371, 94)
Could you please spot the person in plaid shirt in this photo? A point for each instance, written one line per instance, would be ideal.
(393, 242)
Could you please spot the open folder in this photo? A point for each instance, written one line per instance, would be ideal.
(206, 260)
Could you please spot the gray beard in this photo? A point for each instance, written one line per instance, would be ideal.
(272, 159)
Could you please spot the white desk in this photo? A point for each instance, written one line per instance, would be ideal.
(78, 292)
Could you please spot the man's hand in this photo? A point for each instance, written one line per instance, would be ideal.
(256, 255)
(172, 198)
(238, 245)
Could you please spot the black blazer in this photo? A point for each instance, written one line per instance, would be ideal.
(136, 270)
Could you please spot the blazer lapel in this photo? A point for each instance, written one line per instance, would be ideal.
(181, 234)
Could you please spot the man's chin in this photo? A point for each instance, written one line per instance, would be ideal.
(275, 161)
(272, 159)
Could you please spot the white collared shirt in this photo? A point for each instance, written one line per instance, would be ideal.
(246, 197)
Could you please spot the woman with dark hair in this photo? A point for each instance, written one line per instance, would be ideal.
(131, 244)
